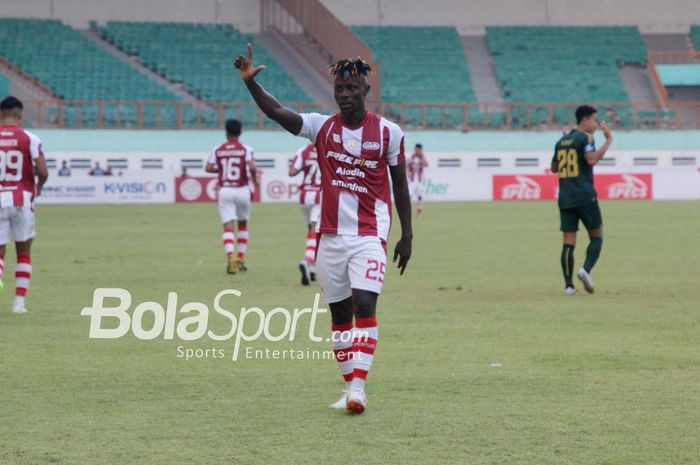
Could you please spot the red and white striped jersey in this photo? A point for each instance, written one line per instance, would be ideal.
(355, 192)
(231, 159)
(18, 150)
(416, 167)
(306, 160)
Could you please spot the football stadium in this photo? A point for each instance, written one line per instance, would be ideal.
(215, 215)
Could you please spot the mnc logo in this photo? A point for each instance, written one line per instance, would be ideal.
(147, 187)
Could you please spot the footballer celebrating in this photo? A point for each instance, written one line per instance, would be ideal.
(231, 161)
(416, 173)
(575, 155)
(306, 161)
(356, 151)
(20, 152)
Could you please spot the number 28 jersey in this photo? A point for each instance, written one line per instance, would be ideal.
(575, 174)
(231, 158)
(18, 150)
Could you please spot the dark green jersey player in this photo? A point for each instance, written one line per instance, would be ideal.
(574, 157)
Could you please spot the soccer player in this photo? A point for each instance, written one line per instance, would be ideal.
(232, 160)
(355, 147)
(20, 152)
(575, 155)
(306, 160)
(416, 168)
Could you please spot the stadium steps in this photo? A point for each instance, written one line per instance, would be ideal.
(134, 61)
(318, 87)
(638, 84)
(668, 42)
(481, 69)
(26, 89)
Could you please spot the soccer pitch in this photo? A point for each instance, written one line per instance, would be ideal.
(480, 360)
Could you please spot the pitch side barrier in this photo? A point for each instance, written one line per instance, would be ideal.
(451, 176)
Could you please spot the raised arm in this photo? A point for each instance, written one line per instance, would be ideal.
(594, 157)
(402, 199)
(285, 117)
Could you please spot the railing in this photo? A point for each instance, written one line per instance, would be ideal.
(658, 85)
(444, 116)
(318, 35)
(674, 57)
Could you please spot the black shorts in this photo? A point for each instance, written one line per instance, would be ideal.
(589, 214)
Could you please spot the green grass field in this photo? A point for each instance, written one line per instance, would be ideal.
(481, 359)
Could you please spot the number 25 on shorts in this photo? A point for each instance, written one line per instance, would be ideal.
(375, 270)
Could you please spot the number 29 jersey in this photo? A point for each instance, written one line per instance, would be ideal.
(18, 150)
(231, 158)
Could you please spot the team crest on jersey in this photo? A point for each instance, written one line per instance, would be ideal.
(371, 145)
(336, 138)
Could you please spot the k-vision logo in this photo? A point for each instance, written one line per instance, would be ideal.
(191, 321)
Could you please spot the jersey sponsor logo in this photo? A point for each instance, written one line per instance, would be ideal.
(350, 186)
(371, 145)
(349, 159)
(336, 138)
(354, 172)
(631, 187)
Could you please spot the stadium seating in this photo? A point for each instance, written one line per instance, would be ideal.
(564, 64)
(420, 64)
(200, 56)
(4, 86)
(695, 35)
(75, 68)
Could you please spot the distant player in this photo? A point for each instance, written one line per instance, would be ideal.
(232, 160)
(306, 161)
(416, 176)
(574, 157)
(357, 150)
(20, 152)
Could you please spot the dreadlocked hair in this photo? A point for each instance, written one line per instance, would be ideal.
(356, 68)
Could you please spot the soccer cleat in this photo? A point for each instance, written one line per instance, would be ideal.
(241, 266)
(570, 291)
(341, 403)
(231, 267)
(357, 401)
(18, 308)
(304, 268)
(312, 272)
(586, 280)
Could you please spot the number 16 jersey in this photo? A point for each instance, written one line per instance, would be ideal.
(231, 158)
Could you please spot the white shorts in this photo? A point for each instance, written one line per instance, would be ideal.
(344, 263)
(311, 213)
(417, 189)
(234, 203)
(19, 220)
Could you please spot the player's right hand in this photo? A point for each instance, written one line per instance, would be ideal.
(245, 65)
(606, 130)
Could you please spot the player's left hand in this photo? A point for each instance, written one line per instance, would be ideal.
(402, 251)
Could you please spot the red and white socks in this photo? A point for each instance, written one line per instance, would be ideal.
(342, 348)
(23, 274)
(354, 349)
(364, 342)
(229, 242)
(242, 242)
(310, 254)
